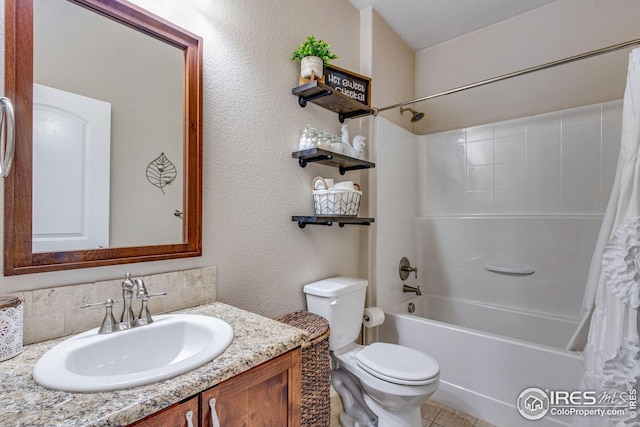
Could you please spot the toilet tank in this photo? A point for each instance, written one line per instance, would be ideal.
(340, 300)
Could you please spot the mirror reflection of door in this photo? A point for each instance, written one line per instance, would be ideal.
(71, 163)
(82, 52)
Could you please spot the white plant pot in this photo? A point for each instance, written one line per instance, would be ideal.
(311, 63)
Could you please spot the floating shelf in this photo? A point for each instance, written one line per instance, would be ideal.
(325, 157)
(329, 98)
(330, 220)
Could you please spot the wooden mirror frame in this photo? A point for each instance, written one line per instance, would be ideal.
(18, 254)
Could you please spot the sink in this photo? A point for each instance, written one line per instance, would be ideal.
(172, 345)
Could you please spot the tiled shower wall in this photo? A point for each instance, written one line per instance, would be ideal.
(556, 163)
(528, 192)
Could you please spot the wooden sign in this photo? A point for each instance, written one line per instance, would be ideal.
(349, 84)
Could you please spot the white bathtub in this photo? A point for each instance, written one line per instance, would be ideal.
(484, 359)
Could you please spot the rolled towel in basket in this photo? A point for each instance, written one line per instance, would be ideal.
(335, 201)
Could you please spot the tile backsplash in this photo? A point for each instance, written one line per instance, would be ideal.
(55, 312)
(561, 162)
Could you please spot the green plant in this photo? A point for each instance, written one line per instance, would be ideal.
(313, 47)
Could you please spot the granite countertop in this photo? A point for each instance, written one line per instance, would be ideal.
(25, 403)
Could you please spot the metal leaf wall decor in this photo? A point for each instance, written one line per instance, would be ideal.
(161, 172)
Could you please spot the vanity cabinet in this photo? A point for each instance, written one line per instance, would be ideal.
(267, 395)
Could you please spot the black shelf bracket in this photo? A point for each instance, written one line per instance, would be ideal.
(343, 116)
(302, 101)
(321, 158)
(302, 223)
(342, 162)
(329, 220)
(344, 169)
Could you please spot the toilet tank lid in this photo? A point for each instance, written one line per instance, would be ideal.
(334, 286)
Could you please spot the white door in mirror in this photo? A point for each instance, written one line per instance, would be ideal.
(71, 164)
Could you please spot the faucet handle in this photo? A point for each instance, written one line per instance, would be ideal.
(145, 315)
(146, 297)
(142, 291)
(108, 303)
(159, 294)
(405, 268)
(109, 322)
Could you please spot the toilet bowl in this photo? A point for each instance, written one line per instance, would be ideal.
(391, 380)
(397, 377)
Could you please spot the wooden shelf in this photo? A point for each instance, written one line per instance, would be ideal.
(327, 97)
(329, 220)
(325, 157)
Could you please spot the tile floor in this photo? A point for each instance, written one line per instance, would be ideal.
(433, 414)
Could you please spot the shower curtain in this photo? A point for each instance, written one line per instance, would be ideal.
(612, 294)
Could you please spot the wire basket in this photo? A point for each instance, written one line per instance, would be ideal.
(335, 201)
(316, 368)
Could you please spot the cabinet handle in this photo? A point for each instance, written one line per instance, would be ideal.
(214, 415)
(189, 416)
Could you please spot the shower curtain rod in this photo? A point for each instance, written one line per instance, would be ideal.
(516, 73)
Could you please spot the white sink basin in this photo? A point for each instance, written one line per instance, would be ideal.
(173, 344)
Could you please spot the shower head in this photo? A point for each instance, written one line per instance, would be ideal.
(416, 115)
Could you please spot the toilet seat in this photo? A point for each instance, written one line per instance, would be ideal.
(398, 364)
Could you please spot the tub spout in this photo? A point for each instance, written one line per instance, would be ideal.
(415, 289)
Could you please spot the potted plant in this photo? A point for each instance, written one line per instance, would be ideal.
(313, 56)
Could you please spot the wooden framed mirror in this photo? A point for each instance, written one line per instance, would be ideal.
(137, 133)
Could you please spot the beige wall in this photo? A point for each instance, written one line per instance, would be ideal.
(252, 186)
(390, 63)
(558, 30)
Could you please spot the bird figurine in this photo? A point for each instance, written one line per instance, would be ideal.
(358, 145)
(345, 134)
(355, 148)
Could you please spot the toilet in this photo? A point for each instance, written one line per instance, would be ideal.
(379, 383)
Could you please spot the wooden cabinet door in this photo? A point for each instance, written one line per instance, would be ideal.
(173, 416)
(265, 396)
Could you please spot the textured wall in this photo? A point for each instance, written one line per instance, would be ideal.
(391, 64)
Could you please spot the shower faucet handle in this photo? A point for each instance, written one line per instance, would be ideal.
(410, 269)
(405, 268)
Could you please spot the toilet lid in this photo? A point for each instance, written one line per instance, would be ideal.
(398, 364)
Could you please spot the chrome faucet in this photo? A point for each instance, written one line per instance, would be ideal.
(416, 289)
(128, 319)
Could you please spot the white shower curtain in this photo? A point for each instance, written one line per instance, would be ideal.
(612, 295)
